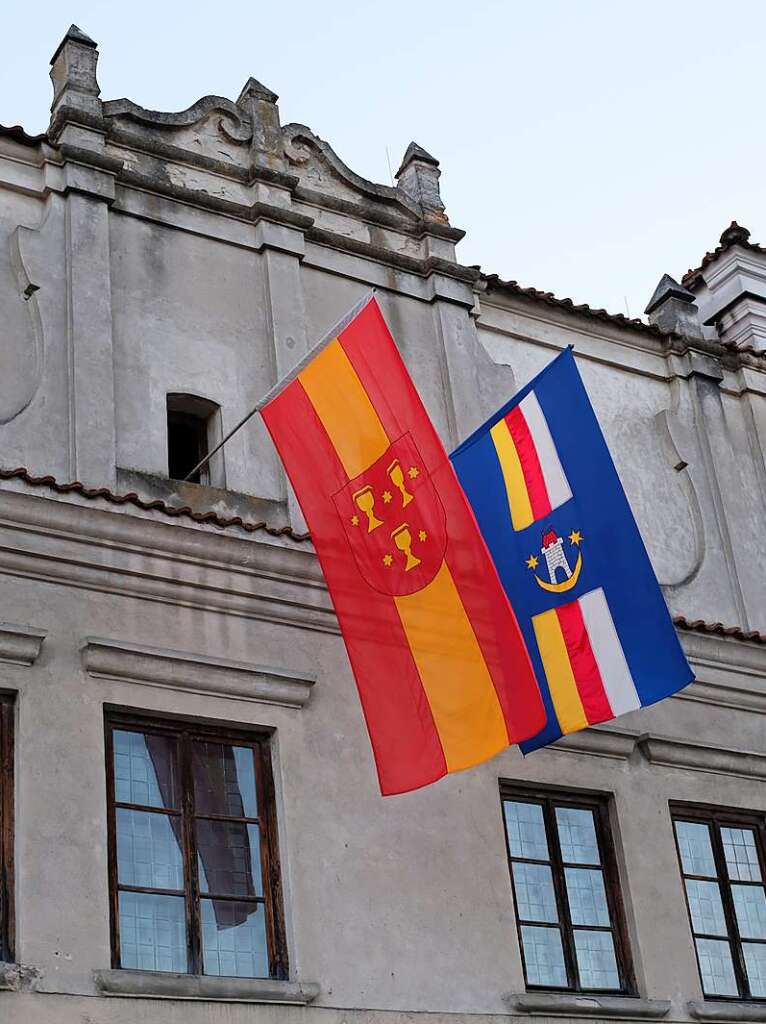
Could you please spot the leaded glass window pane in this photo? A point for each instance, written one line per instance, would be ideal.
(587, 896)
(596, 961)
(706, 907)
(535, 898)
(716, 968)
(234, 939)
(152, 932)
(145, 769)
(526, 830)
(148, 851)
(750, 908)
(544, 956)
(755, 963)
(577, 835)
(695, 848)
(741, 854)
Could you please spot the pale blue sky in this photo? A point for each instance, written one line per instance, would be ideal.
(586, 147)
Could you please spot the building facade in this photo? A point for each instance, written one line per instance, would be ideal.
(190, 824)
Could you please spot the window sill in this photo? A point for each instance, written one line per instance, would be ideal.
(578, 1005)
(158, 985)
(16, 977)
(712, 1009)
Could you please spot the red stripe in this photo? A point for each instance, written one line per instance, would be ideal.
(376, 360)
(590, 685)
(408, 753)
(530, 463)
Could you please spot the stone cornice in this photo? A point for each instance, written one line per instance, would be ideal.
(70, 542)
(20, 645)
(195, 673)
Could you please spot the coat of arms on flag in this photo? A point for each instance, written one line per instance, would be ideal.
(553, 512)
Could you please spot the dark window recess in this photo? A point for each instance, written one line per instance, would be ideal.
(191, 426)
(723, 867)
(193, 859)
(566, 892)
(6, 828)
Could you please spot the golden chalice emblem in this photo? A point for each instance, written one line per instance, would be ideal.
(365, 501)
(403, 540)
(396, 476)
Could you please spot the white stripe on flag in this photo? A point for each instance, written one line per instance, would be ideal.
(556, 482)
(608, 652)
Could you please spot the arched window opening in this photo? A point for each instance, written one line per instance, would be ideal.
(194, 429)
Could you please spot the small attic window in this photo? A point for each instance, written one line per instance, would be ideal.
(193, 431)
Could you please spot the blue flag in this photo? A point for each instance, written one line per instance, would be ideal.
(553, 513)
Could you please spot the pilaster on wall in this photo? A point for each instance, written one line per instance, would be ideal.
(286, 316)
(77, 127)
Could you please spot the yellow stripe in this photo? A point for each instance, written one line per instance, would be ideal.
(455, 677)
(345, 409)
(558, 672)
(515, 485)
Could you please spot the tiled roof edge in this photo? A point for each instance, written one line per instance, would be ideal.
(154, 504)
(718, 629)
(17, 133)
(495, 281)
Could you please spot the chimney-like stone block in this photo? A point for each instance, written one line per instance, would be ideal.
(75, 85)
(260, 103)
(673, 309)
(418, 177)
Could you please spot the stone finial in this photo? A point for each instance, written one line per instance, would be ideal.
(418, 177)
(735, 234)
(673, 309)
(75, 87)
(260, 103)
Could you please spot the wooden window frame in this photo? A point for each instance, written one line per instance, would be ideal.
(187, 732)
(598, 803)
(7, 913)
(706, 814)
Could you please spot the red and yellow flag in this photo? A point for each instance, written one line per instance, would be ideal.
(441, 667)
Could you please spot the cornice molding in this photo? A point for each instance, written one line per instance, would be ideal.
(74, 543)
(195, 673)
(20, 645)
(702, 757)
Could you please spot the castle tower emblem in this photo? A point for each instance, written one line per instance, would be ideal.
(553, 552)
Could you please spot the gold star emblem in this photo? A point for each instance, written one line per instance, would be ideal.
(532, 562)
(412, 472)
(422, 535)
(575, 537)
(387, 559)
(386, 497)
(355, 520)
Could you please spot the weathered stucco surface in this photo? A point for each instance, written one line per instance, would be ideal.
(203, 252)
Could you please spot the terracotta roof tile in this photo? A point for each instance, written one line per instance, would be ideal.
(17, 133)
(718, 629)
(154, 504)
(493, 281)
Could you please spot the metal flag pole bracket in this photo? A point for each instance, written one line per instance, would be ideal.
(287, 379)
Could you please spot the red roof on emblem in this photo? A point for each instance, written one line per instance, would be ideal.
(549, 537)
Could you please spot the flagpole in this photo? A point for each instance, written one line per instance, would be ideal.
(288, 378)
